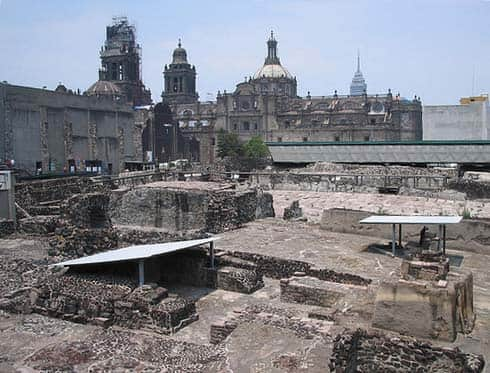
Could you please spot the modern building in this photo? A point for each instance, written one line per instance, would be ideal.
(470, 120)
(358, 86)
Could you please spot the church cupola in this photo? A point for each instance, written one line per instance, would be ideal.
(179, 79)
(180, 54)
(272, 77)
(272, 58)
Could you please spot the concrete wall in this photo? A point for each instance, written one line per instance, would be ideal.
(457, 122)
(52, 127)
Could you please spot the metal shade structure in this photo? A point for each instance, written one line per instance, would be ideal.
(140, 253)
(413, 219)
(441, 221)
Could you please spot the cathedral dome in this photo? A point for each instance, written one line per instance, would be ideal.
(103, 88)
(179, 55)
(272, 71)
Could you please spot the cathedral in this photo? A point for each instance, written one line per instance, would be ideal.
(267, 105)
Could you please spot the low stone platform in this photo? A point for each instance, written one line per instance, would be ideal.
(312, 291)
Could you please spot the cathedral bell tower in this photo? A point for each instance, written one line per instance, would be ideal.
(121, 62)
(179, 79)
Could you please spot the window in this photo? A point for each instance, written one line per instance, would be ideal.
(213, 141)
(337, 138)
(256, 126)
(286, 124)
(235, 126)
(114, 71)
(120, 72)
(366, 138)
(176, 85)
(373, 121)
(279, 139)
(305, 139)
(246, 126)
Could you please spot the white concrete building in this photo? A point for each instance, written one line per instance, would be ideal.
(470, 120)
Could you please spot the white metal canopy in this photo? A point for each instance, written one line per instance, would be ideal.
(441, 221)
(400, 219)
(136, 252)
(140, 253)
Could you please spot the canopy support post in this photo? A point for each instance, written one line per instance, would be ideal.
(444, 239)
(440, 238)
(393, 239)
(400, 235)
(211, 253)
(141, 272)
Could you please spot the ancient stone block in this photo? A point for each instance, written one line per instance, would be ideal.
(422, 309)
(310, 290)
(421, 270)
(238, 279)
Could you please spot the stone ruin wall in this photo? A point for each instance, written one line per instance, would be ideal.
(361, 351)
(29, 194)
(279, 268)
(106, 300)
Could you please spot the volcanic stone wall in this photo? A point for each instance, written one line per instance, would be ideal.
(108, 300)
(29, 194)
(473, 189)
(6, 227)
(360, 351)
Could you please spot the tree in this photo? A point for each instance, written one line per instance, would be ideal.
(255, 148)
(228, 144)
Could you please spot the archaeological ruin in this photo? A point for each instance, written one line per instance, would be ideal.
(274, 272)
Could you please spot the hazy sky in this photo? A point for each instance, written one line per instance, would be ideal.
(431, 48)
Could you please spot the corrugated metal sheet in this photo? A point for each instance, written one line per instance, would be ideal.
(399, 219)
(136, 252)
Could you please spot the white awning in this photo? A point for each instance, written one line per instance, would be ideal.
(411, 219)
(137, 252)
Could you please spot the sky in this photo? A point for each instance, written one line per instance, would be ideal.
(436, 49)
